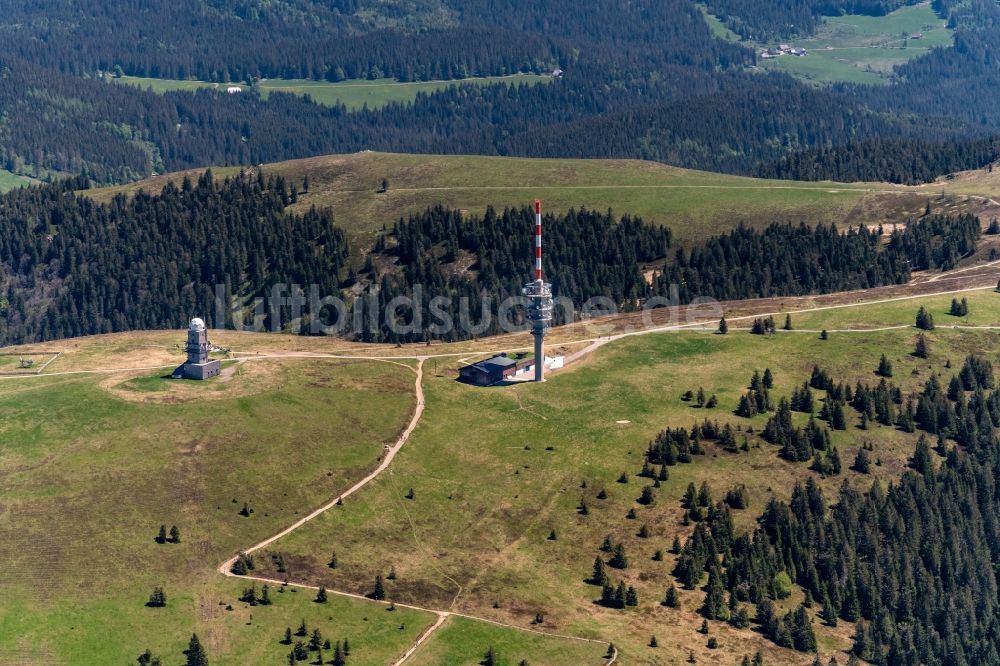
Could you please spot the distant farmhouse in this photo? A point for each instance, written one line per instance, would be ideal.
(782, 49)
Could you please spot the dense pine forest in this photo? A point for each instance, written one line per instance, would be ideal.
(74, 267)
(911, 564)
(650, 81)
(595, 255)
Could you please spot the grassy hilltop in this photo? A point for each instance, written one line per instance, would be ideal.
(695, 204)
(93, 463)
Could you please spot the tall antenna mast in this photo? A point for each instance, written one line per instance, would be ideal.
(538, 240)
(539, 293)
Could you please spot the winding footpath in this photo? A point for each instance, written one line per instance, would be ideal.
(594, 343)
(390, 453)
(442, 615)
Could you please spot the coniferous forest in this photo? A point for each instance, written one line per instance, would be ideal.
(647, 81)
(75, 267)
(911, 564)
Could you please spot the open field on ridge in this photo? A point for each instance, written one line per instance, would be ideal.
(854, 48)
(475, 533)
(9, 181)
(694, 204)
(504, 498)
(91, 466)
(353, 93)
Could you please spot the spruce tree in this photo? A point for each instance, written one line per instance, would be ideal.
(646, 497)
(618, 559)
(378, 594)
(922, 461)
(829, 612)
(620, 595)
(196, 653)
(803, 638)
(924, 321)
(837, 418)
(158, 599)
(714, 607)
(599, 576)
(884, 367)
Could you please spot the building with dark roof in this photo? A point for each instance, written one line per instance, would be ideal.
(491, 371)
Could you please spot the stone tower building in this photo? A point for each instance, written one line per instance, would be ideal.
(198, 365)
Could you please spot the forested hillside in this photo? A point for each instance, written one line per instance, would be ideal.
(911, 564)
(649, 81)
(596, 255)
(75, 267)
(72, 267)
(778, 19)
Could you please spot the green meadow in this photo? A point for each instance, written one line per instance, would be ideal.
(694, 204)
(493, 472)
(854, 48)
(865, 49)
(9, 181)
(353, 93)
(91, 466)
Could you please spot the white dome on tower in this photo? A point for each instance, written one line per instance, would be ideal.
(197, 324)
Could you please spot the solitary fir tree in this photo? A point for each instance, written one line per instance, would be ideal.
(884, 367)
(672, 599)
(925, 321)
(158, 599)
(196, 653)
(378, 594)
